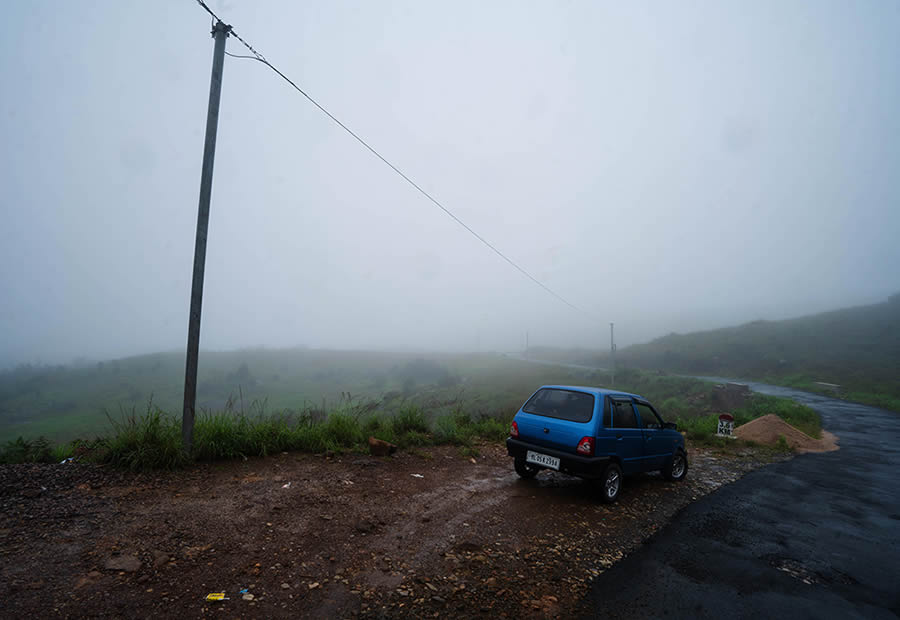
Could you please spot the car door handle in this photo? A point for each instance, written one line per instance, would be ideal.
(618, 437)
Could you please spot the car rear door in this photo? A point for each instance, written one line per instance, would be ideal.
(657, 444)
(627, 433)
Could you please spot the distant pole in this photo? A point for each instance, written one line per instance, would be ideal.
(220, 33)
(612, 355)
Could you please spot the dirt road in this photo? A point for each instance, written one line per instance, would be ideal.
(425, 534)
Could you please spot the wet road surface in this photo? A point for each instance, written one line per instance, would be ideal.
(814, 537)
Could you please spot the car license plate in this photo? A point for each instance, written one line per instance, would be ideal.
(542, 459)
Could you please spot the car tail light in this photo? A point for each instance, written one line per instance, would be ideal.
(586, 446)
(514, 429)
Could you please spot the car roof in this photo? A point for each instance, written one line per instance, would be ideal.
(594, 390)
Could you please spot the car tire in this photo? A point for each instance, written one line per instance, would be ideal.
(525, 470)
(676, 469)
(611, 483)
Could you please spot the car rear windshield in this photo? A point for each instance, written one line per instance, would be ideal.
(562, 404)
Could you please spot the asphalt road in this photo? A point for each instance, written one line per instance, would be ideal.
(814, 537)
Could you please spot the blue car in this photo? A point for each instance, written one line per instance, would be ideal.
(595, 434)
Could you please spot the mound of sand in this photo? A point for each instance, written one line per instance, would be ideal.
(768, 428)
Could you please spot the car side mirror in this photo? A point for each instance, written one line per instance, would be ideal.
(671, 425)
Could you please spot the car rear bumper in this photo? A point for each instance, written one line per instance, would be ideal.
(572, 464)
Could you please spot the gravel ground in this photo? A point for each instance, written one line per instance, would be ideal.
(430, 533)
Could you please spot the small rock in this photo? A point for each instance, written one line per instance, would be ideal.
(285, 586)
(247, 597)
(160, 558)
(83, 581)
(381, 448)
(125, 563)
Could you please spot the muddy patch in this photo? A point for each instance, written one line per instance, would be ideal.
(301, 535)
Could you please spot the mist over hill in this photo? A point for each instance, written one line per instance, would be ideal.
(858, 348)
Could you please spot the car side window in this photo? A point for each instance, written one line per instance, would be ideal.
(649, 419)
(623, 415)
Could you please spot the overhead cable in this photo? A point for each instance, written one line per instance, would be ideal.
(260, 58)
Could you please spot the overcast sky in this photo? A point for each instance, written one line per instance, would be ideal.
(667, 166)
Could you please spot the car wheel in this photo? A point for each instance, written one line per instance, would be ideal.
(677, 468)
(524, 469)
(611, 483)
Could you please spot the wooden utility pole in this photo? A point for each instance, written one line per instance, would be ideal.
(220, 33)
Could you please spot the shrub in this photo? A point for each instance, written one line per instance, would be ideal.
(309, 437)
(409, 418)
(674, 408)
(414, 438)
(220, 435)
(62, 451)
(342, 431)
(492, 429)
(447, 430)
(699, 428)
(40, 450)
(151, 441)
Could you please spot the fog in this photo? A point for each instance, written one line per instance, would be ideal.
(666, 166)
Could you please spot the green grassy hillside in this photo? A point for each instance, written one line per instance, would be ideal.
(63, 402)
(857, 348)
(263, 401)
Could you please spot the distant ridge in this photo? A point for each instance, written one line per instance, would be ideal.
(857, 348)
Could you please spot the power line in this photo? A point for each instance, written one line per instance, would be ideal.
(260, 58)
(239, 56)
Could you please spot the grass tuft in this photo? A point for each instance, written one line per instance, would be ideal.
(409, 418)
(149, 441)
(342, 431)
(21, 450)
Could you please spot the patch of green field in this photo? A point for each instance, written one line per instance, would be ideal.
(316, 401)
